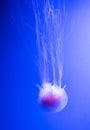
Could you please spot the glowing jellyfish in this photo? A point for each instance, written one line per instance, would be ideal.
(49, 30)
(52, 98)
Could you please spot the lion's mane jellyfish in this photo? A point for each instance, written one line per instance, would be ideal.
(49, 33)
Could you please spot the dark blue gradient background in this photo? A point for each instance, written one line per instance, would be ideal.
(19, 74)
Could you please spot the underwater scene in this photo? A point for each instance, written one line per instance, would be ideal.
(44, 65)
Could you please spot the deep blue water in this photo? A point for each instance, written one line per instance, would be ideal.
(19, 75)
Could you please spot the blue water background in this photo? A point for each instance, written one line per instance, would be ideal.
(19, 75)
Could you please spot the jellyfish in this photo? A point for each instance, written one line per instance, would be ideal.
(49, 33)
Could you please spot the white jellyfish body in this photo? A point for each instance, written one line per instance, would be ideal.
(49, 33)
(52, 98)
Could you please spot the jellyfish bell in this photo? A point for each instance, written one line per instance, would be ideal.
(52, 98)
